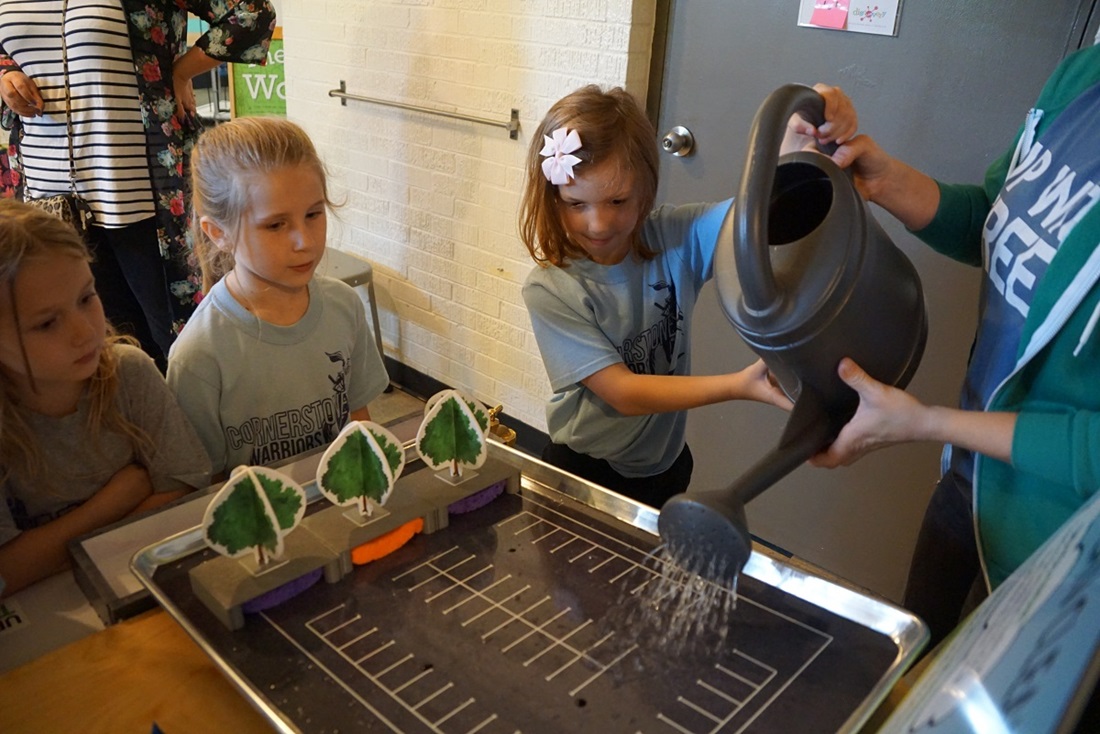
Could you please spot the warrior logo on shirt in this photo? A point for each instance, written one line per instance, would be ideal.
(291, 432)
(640, 353)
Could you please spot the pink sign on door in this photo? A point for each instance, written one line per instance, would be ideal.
(830, 14)
(879, 17)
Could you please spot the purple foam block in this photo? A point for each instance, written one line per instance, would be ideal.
(282, 593)
(478, 499)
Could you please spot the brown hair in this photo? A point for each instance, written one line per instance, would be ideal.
(27, 233)
(612, 126)
(245, 146)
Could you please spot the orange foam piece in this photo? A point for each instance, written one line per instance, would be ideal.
(385, 544)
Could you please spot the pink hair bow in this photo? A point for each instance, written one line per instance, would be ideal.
(558, 165)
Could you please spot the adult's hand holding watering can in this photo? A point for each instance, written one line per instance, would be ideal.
(909, 195)
(888, 416)
(840, 126)
(807, 277)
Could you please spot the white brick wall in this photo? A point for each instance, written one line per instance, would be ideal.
(430, 201)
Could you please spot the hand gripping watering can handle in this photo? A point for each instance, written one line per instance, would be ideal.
(750, 234)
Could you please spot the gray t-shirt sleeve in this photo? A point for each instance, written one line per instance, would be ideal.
(178, 455)
(368, 376)
(195, 383)
(572, 345)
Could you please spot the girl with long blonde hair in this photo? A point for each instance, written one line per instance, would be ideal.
(276, 360)
(89, 432)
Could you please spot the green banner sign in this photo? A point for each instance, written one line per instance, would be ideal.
(260, 90)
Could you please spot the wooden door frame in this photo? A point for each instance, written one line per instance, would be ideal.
(657, 62)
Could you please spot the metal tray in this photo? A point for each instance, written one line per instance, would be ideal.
(532, 615)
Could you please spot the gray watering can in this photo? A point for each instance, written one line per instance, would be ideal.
(807, 277)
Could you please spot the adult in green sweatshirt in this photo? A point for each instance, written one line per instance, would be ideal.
(1022, 450)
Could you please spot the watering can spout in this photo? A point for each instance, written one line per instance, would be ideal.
(706, 533)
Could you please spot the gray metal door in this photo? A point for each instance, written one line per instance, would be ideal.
(947, 95)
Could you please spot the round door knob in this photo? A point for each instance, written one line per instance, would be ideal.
(678, 141)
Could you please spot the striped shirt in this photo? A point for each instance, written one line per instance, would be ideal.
(112, 171)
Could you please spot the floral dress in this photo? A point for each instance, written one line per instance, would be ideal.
(239, 32)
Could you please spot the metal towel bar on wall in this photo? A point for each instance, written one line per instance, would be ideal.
(511, 125)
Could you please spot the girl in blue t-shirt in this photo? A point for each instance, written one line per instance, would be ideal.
(611, 300)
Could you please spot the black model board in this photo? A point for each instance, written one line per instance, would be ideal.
(512, 620)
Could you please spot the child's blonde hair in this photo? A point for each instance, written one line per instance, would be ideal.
(245, 146)
(612, 127)
(27, 233)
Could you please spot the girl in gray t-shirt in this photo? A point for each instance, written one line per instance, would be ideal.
(611, 300)
(89, 432)
(276, 360)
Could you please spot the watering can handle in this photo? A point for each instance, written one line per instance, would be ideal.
(750, 233)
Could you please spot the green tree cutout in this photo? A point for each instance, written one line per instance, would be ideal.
(253, 511)
(361, 464)
(453, 434)
(480, 411)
